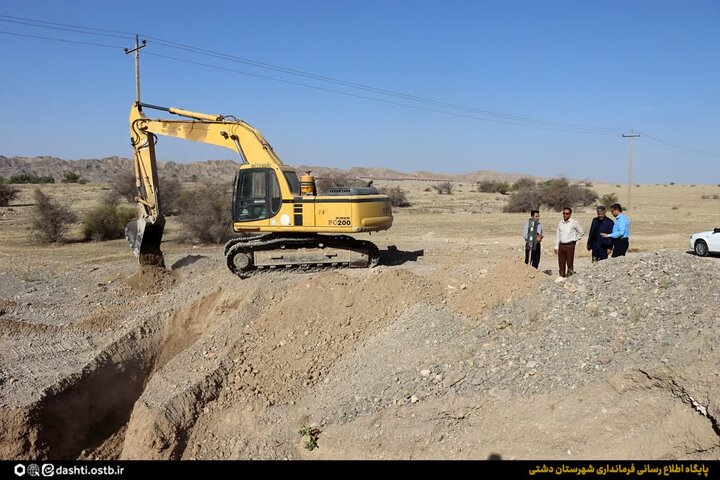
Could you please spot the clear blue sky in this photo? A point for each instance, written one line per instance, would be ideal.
(646, 65)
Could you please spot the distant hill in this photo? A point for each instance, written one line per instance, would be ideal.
(106, 170)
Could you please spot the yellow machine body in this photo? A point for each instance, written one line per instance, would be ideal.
(268, 195)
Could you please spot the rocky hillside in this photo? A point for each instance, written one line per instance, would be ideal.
(104, 170)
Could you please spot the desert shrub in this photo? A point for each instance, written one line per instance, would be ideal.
(124, 186)
(170, 187)
(25, 178)
(7, 194)
(523, 183)
(524, 200)
(50, 219)
(108, 220)
(672, 183)
(398, 196)
(555, 194)
(427, 189)
(170, 192)
(444, 188)
(337, 180)
(206, 214)
(71, 177)
(608, 200)
(490, 186)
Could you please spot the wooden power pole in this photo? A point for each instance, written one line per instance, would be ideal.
(631, 136)
(136, 51)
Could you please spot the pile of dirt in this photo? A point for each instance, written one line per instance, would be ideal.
(436, 381)
(462, 357)
(151, 279)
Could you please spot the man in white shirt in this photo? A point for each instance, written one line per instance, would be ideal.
(569, 231)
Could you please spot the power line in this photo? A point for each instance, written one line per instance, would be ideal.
(354, 95)
(42, 22)
(60, 40)
(568, 129)
(391, 93)
(494, 116)
(512, 118)
(680, 147)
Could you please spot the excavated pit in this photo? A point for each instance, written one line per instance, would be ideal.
(385, 363)
(79, 412)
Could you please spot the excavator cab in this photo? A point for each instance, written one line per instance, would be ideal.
(257, 195)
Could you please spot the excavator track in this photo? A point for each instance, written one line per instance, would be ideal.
(253, 254)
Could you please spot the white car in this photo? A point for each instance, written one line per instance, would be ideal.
(705, 243)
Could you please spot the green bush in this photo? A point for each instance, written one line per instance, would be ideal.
(107, 222)
(206, 214)
(170, 187)
(608, 200)
(491, 186)
(554, 194)
(170, 191)
(50, 220)
(524, 200)
(398, 196)
(523, 183)
(28, 178)
(7, 194)
(124, 186)
(72, 177)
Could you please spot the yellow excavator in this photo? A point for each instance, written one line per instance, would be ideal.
(280, 219)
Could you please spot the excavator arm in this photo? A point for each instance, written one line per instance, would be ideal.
(145, 233)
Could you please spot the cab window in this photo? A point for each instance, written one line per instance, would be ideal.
(257, 195)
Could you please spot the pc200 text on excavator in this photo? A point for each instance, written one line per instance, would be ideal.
(280, 219)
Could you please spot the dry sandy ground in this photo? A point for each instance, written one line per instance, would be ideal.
(416, 358)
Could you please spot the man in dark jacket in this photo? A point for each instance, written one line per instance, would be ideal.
(600, 246)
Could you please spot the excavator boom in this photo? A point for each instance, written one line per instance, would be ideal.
(281, 220)
(145, 233)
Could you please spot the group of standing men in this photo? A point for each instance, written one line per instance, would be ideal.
(605, 237)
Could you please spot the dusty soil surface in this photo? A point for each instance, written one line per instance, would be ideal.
(451, 348)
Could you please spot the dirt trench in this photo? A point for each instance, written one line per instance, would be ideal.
(81, 411)
(99, 390)
(386, 363)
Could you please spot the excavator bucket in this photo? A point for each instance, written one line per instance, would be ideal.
(144, 238)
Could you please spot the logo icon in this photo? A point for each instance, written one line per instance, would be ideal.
(19, 469)
(48, 470)
(33, 470)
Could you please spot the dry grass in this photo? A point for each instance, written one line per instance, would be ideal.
(467, 217)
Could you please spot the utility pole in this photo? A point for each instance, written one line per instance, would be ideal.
(136, 51)
(631, 136)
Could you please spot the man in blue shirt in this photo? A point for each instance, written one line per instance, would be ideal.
(620, 232)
